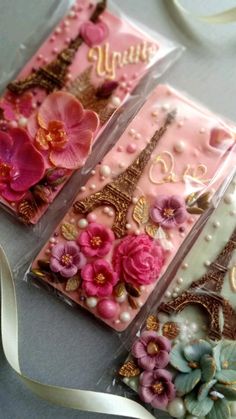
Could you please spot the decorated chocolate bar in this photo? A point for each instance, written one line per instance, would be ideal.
(141, 201)
(52, 114)
(184, 360)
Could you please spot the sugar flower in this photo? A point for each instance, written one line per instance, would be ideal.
(151, 350)
(96, 240)
(67, 259)
(98, 278)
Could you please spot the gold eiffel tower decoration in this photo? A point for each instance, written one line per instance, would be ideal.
(53, 75)
(205, 292)
(120, 191)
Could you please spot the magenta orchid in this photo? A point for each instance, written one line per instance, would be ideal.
(64, 129)
(21, 165)
(156, 388)
(14, 106)
(169, 211)
(151, 351)
(67, 259)
(138, 259)
(96, 240)
(98, 278)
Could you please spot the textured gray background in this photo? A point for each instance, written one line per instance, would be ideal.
(59, 345)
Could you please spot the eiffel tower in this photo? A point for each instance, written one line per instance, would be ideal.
(119, 192)
(206, 293)
(53, 75)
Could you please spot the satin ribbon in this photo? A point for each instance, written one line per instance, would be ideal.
(67, 397)
(227, 16)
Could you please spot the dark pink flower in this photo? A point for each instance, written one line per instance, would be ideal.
(156, 388)
(151, 351)
(63, 128)
(96, 240)
(169, 211)
(98, 278)
(14, 106)
(138, 259)
(67, 259)
(21, 165)
(93, 33)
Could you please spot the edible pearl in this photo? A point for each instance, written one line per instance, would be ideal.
(93, 172)
(111, 213)
(93, 186)
(82, 223)
(52, 240)
(83, 188)
(91, 217)
(194, 327)
(168, 294)
(134, 200)
(131, 148)
(91, 302)
(58, 31)
(131, 131)
(116, 101)
(137, 232)
(202, 130)
(176, 408)
(137, 136)
(22, 121)
(207, 263)
(125, 317)
(208, 238)
(121, 165)
(106, 210)
(122, 298)
(175, 295)
(179, 147)
(180, 280)
(105, 170)
(107, 309)
(176, 289)
(71, 14)
(128, 226)
(165, 107)
(228, 199)
(180, 123)
(13, 124)
(185, 266)
(233, 212)
(72, 221)
(216, 224)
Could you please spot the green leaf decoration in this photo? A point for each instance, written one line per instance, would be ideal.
(196, 407)
(184, 383)
(228, 391)
(220, 410)
(228, 355)
(195, 350)
(216, 354)
(178, 360)
(208, 367)
(226, 376)
(204, 389)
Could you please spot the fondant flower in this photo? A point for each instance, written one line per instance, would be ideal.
(156, 388)
(169, 211)
(93, 33)
(14, 106)
(138, 259)
(65, 129)
(96, 240)
(151, 351)
(67, 259)
(98, 278)
(21, 165)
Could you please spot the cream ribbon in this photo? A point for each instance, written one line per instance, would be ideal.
(227, 16)
(67, 397)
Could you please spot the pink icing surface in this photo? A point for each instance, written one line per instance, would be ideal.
(187, 143)
(121, 35)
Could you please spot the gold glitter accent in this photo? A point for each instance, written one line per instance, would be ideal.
(141, 211)
(37, 272)
(100, 279)
(69, 231)
(119, 289)
(72, 284)
(26, 210)
(168, 212)
(66, 259)
(129, 369)
(158, 388)
(151, 230)
(152, 323)
(206, 292)
(96, 241)
(53, 75)
(170, 330)
(119, 192)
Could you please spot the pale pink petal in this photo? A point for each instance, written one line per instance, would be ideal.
(58, 251)
(160, 401)
(6, 143)
(90, 288)
(138, 349)
(8, 110)
(71, 248)
(70, 271)
(87, 272)
(146, 394)
(164, 343)
(105, 290)
(25, 104)
(55, 265)
(148, 336)
(79, 260)
(147, 362)
(90, 121)
(32, 125)
(180, 215)
(170, 390)
(162, 374)
(162, 359)
(146, 379)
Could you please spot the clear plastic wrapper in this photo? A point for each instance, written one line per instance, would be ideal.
(141, 208)
(65, 96)
(182, 360)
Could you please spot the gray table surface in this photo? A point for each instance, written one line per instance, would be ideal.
(59, 345)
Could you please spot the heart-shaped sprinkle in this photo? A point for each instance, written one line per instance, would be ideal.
(93, 33)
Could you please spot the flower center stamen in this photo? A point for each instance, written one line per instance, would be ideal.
(66, 259)
(193, 364)
(158, 388)
(100, 279)
(96, 241)
(152, 348)
(168, 212)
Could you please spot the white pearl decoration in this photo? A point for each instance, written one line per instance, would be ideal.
(185, 266)
(168, 294)
(125, 317)
(228, 199)
(194, 327)
(83, 188)
(116, 101)
(179, 147)
(134, 200)
(175, 294)
(233, 212)
(132, 131)
(165, 107)
(208, 238)
(202, 130)
(82, 223)
(93, 172)
(52, 240)
(22, 122)
(128, 226)
(176, 408)
(122, 298)
(93, 186)
(180, 280)
(91, 302)
(216, 224)
(207, 263)
(105, 170)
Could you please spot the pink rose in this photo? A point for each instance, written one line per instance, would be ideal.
(138, 259)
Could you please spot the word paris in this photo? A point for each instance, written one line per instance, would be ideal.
(108, 62)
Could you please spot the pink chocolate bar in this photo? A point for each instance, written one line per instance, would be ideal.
(92, 61)
(140, 203)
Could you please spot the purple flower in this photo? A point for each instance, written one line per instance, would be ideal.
(169, 211)
(151, 351)
(67, 259)
(156, 388)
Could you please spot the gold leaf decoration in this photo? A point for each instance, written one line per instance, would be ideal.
(26, 210)
(204, 200)
(195, 210)
(72, 284)
(86, 93)
(141, 211)
(119, 289)
(69, 231)
(129, 369)
(191, 198)
(151, 230)
(132, 290)
(171, 330)
(132, 302)
(37, 272)
(152, 323)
